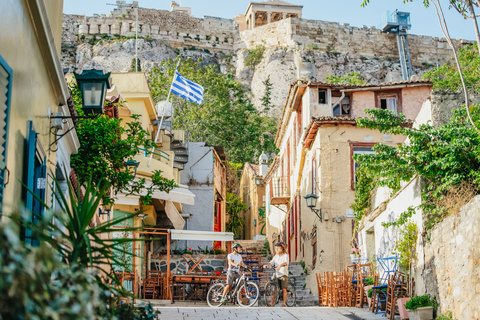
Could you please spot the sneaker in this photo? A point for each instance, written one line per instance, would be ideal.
(223, 300)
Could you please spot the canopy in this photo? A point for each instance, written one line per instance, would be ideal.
(200, 235)
(179, 195)
(174, 215)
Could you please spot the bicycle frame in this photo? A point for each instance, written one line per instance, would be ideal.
(237, 284)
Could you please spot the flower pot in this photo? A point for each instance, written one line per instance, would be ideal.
(365, 289)
(352, 256)
(424, 313)
(401, 307)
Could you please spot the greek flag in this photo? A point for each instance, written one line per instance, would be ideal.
(187, 89)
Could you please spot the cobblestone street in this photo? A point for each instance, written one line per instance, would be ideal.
(303, 313)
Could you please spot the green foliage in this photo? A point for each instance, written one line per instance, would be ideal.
(267, 95)
(447, 76)
(370, 281)
(105, 145)
(406, 245)
(266, 246)
(225, 118)
(34, 284)
(443, 157)
(370, 293)
(128, 311)
(235, 222)
(447, 316)
(420, 301)
(133, 65)
(349, 78)
(255, 56)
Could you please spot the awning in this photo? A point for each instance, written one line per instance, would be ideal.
(174, 215)
(200, 235)
(180, 195)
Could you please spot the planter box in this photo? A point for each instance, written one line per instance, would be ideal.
(425, 313)
(401, 308)
(365, 289)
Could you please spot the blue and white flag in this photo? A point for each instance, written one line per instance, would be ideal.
(187, 89)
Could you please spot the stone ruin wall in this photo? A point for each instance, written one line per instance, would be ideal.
(368, 42)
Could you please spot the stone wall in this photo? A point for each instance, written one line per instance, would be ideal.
(452, 257)
(368, 42)
(178, 264)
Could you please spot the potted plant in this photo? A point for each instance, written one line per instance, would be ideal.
(420, 307)
(402, 310)
(354, 253)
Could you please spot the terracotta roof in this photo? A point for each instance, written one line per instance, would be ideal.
(253, 168)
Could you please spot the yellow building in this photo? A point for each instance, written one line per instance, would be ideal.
(33, 87)
(252, 192)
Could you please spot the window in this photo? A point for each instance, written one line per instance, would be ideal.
(322, 96)
(361, 149)
(388, 103)
(6, 93)
(342, 108)
(35, 179)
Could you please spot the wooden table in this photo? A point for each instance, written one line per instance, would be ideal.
(195, 281)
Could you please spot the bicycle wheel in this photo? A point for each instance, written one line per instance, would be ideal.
(291, 295)
(214, 294)
(248, 294)
(270, 294)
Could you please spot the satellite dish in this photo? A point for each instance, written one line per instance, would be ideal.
(164, 108)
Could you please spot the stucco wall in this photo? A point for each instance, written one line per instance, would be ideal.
(32, 93)
(412, 100)
(362, 101)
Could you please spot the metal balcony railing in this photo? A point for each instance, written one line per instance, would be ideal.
(281, 187)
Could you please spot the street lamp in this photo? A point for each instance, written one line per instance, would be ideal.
(311, 200)
(258, 180)
(132, 164)
(93, 85)
(108, 208)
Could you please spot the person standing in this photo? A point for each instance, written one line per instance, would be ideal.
(280, 261)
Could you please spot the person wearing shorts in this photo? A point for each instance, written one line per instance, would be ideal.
(280, 261)
(233, 272)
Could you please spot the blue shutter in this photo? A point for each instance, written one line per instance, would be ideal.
(31, 143)
(5, 100)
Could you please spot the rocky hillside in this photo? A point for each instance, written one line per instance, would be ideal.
(84, 46)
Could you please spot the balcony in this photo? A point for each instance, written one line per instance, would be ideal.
(161, 160)
(280, 191)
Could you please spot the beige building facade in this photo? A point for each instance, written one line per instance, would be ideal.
(252, 192)
(317, 138)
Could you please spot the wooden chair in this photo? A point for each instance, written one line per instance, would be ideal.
(397, 288)
(320, 288)
(149, 288)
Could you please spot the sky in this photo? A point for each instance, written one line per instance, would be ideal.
(424, 20)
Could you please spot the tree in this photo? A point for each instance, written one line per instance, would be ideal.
(267, 99)
(106, 144)
(226, 117)
(349, 78)
(134, 65)
(234, 206)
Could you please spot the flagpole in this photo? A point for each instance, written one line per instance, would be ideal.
(163, 114)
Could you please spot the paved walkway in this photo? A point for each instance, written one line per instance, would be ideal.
(301, 313)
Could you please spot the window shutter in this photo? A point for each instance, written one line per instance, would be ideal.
(5, 100)
(29, 177)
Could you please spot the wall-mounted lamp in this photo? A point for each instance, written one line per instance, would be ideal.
(134, 165)
(258, 180)
(311, 200)
(254, 222)
(107, 209)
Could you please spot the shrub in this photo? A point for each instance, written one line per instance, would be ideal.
(420, 301)
(255, 56)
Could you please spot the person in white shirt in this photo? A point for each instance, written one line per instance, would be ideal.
(233, 272)
(280, 261)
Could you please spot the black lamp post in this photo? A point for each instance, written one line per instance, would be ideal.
(311, 200)
(134, 165)
(108, 208)
(93, 85)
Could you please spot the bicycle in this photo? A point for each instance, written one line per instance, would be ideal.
(245, 292)
(272, 289)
